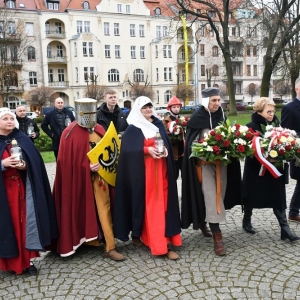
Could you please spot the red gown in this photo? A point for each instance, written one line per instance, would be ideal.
(156, 195)
(15, 190)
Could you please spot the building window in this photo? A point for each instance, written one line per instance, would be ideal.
(236, 69)
(87, 26)
(169, 51)
(10, 4)
(248, 51)
(170, 74)
(202, 51)
(79, 26)
(53, 5)
(11, 27)
(157, 97)
(59, 51)
(76, 74)
(167, 97)
(132, 30)
(32, 78)
(119, 8)
(116, 29)
(158, 31)
(215, 51)
(50, 75)
(201, 31)
(156, 51)
(85, 74)
(157, 74)
(92, 73)
(113, 75)
(215, 70)
(254, 51)
(29, 29)
(58, 28)
(31, 53)
(157, 11)
(49, 51)
(61, 75)
(84, 50)
(165, 74)
(138, 75)
(142, 51)
(212, 14)
(248, 70)
(165, 51)
(142, 30)
(132, 52)
(165, 31)
(233, 31)
(117, 51)
(91, 53)
(106, 28)
(47, 27)
(75, 49)
(13, 53)
(202, 70)
(127, 9)
(254, 70)
(86, 5)
(202, 87)
(183, 77)
(107, 51)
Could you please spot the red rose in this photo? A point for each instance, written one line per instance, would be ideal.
(218, 137)
(249, 136)
(237, 126)
(281, 152)
(226, 143)
(177, 121)
(298, 150)
(183, 123)
(201, 141)
(212, 133)
(293, 142)
(216, 149)
(241, 148)
(288, 147)
(237, 133)
(187, 118)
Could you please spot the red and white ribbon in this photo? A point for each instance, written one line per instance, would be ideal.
(265, 163)
(171, 126)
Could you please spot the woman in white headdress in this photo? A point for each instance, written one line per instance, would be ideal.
(146, 199)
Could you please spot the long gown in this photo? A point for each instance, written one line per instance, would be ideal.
(156, 195)
(15, 190)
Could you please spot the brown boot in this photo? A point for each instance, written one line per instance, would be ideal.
(172, 255)
(137, 242)
(205, 230)
(114, 255)
(218, 244)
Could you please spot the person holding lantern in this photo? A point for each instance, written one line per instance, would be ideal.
(260, 188)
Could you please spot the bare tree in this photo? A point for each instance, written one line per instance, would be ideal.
(252, 90)
(40, 95)
(141, 88)
(13, 44)
(95, 91)
(184, 92)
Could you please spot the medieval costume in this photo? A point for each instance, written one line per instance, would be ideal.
(264, 191)
(27, 215)
(199, 200)
(81, 196)
(146, 199)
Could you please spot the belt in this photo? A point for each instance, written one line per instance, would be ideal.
(218, 179)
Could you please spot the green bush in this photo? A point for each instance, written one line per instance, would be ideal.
(43, 143)
(38, 120)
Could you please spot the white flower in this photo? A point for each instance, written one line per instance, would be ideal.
(209, 148)
(233, 128)
(236, 141)
(223, 133)
(243, 128)
(225, 157)
(269, 127)
(267, 134)
(204, 144)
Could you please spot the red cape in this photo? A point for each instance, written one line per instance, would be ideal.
(73, 191)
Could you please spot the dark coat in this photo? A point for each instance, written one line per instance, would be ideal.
(290, 118)
(42, 198)
(193, 206)
(118, 117)
(24, 123)
(50, 126)
(262, 191)
(129, 204)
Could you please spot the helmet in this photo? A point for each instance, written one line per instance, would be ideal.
(174, 101)
(86, 112)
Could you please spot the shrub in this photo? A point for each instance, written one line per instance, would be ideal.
(38, 120)
(43, 143)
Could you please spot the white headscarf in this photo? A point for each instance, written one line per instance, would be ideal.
(137, 119)
(4, 111)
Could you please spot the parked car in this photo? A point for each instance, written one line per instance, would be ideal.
(240, 106)
(31, 114)
(161, 110)
(286, 102)
(47, 109)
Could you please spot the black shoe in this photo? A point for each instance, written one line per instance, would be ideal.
(286, 233)
(32, 270)
(248, 226)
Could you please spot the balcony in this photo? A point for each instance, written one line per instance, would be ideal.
(237, 39)
(189, 39)
(57, 59)
(181, 60)
(9, 38)
(60, 84)
(14, 63)
(56, 34)
(190, 82)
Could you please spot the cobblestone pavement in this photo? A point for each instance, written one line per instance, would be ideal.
(259, 266)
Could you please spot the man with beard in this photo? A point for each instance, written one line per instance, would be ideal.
(199, 203)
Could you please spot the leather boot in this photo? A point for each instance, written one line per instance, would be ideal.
(218, 244)
(247, 220)
(205, 230)
(286, 232)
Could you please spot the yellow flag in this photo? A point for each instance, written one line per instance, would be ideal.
(106, 153)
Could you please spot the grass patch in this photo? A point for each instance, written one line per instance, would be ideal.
(48, 156)
(244, 118)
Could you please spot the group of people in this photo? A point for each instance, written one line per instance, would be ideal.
(84, 209)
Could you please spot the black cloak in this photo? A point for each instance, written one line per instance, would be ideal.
(192, 205)
(262, 191)
(129, 201)
(41, 191)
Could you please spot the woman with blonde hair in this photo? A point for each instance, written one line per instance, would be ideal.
(264, 191)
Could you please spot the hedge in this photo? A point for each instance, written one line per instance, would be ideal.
(43, 143)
